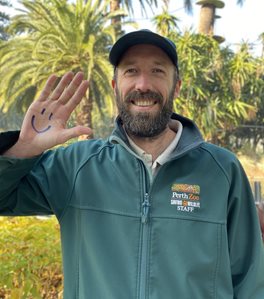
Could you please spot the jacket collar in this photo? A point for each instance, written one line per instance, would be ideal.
(190, 137)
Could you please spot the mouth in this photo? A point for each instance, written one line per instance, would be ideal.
(144, 103)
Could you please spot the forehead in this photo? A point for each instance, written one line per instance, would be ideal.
(149, 53)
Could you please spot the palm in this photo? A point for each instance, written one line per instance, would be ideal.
(44, 125)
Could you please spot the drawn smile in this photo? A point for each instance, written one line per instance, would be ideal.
(33, 119)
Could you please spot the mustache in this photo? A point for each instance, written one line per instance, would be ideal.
(139, 95)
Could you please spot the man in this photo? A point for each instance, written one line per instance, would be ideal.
(154, 211)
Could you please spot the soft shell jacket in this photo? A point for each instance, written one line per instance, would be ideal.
(191, 232)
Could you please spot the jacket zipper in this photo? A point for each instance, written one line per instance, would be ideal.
(145, 209)
(144, 247)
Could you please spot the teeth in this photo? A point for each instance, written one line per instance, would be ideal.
(144, 103)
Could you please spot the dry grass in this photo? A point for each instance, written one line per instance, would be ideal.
(254, 167)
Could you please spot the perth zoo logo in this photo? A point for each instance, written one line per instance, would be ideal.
(185, 197)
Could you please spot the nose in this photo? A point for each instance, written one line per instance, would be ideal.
(143, 83)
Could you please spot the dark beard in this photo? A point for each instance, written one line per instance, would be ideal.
(145, 124)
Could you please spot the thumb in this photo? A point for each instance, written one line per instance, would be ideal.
(77, 131)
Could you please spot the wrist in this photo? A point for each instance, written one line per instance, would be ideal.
(22, 150)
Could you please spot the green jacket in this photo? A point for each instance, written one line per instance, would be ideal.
(191, 232)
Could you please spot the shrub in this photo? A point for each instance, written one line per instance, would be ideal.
(30, 258)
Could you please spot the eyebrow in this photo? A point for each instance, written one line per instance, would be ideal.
(133, 62)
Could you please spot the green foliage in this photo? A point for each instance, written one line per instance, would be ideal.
(220, 89)
(55, 37)
(4, 20)
(165, 22)
(10, 121)
(30, 258)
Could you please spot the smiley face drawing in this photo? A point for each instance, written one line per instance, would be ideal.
(33, 119)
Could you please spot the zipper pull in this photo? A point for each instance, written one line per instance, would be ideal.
(145, 209)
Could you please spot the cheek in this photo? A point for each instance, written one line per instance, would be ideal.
(125, 85)
(163, 86)
(118, 95)
(122, 92)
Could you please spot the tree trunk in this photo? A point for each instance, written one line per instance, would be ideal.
(84, 116)
(207, 18)
(116, 21)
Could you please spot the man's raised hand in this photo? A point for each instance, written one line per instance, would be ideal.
(44, 125)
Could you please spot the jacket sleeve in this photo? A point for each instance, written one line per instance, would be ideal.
(43, 185)
(20, 192)
(8, 139)
(244, 236)
(18, 195)
(25, 184)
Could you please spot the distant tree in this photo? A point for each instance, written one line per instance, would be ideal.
(165, 22)
(221, 89)
(208, 14)
(188, 4)
(250, 87)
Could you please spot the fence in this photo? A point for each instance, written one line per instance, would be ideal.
(257, 191)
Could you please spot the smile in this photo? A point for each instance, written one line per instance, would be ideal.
(144, 103)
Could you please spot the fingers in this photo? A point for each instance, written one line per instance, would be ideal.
(48, 88)
(70, 86)
(78, 95)
(64, 82)
(73, 132)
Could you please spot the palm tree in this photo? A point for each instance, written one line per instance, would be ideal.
(57, 37)
(165, 23)
(127, 5)
(244, 77)
(208, 15)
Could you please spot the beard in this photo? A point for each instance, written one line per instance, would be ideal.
(145, 124)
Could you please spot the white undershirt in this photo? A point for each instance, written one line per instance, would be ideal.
(176, 126)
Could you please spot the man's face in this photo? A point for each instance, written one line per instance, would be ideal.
(145, 85)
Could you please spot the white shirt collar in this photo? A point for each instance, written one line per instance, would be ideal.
(176, 126)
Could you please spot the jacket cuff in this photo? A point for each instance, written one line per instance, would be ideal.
(7, 140)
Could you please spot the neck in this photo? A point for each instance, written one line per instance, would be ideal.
(155, 145)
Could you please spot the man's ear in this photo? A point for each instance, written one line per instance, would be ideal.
(114, 86)
(177, 88)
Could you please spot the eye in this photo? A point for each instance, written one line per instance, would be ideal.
(131, 71)
(158, 70)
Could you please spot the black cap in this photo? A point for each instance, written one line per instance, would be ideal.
(143, 36)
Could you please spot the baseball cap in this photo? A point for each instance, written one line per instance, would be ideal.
(143, 36)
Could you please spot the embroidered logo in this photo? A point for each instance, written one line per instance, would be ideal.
(185, 197)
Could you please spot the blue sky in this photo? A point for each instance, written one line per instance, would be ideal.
(237, 23)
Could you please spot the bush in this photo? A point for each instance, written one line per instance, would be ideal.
(30, 258)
